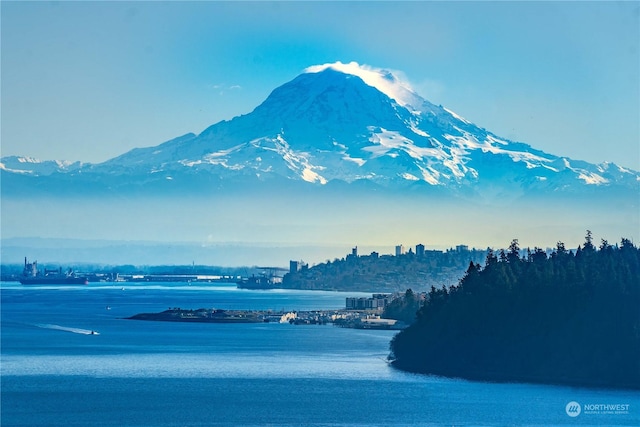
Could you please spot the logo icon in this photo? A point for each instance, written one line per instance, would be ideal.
(573, 409)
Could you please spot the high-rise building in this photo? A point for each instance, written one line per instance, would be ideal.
(293, 267)
(399, 250)
(420, 249)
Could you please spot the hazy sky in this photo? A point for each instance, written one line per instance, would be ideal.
(90, 80)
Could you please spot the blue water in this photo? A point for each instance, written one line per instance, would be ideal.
(136, 373)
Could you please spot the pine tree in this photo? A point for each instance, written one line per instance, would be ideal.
(569, 318)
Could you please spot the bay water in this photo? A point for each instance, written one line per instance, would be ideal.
(56, 372)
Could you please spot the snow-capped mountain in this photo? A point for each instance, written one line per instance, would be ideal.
(344, 123)
(36, 167)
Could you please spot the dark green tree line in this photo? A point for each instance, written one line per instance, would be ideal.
(403, 308)
(569, 318)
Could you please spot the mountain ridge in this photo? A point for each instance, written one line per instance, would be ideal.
(329, 124)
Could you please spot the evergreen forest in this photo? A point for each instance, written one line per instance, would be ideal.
(564, 318)
(403, 308)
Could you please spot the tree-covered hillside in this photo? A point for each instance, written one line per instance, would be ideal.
(570, 318)
(386, 273)
(404, 307)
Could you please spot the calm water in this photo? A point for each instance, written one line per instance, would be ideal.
(54, 373)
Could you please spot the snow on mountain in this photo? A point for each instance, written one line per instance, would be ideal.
(350, 122)
(36, 167)
(383, 80)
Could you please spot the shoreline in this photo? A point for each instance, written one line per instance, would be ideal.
(338, 317)
(497, 378)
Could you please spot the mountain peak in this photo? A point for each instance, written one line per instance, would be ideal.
(347, 123)
(389, 82)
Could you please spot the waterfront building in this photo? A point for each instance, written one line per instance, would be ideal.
(375, 302)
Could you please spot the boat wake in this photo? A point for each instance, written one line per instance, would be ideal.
(67, 329)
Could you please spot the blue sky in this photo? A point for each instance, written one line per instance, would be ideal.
(90, 80)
